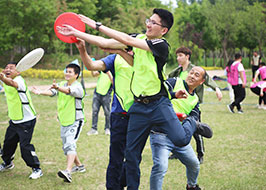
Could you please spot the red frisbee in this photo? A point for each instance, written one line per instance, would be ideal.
(179, 115)
(71, 19)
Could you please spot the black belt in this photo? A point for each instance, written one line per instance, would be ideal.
(146, 100)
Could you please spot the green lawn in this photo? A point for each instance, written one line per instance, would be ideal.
(235, 157)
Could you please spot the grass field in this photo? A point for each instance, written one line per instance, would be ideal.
(235, 157)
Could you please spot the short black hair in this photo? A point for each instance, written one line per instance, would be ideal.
(12, 62)
(75, 67)
(166, 16)
(262, 64)
(238, 56)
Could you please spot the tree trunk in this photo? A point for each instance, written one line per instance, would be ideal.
(205, 59)
(71, 50)
(225, 54)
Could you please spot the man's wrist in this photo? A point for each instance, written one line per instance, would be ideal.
(98, 24)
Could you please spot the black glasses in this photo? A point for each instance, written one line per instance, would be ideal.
(147, 21)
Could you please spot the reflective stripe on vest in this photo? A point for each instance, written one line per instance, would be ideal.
(123, 74)
(103, 84)
(184, 105)
(145, 80)
(14, 101)
(67, 107)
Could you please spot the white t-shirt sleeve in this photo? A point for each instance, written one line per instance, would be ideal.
(240, 67)
(21, 84)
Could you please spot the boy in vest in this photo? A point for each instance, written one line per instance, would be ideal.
(22, 122)
(152, 106)
(122, 100)
(101, 97)
(161, 145)
(237, 78)
(70, 114)
(183, 55)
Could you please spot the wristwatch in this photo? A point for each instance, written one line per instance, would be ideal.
(98, 24)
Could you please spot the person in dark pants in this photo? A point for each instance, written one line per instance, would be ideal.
(22, 122)
(122, 100)
(237, 78)
(255, 61)
(151, 106)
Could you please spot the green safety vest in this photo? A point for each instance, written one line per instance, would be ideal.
(145, 79)
(184, 105)
(183, 75)
(14, 103)
(66, 106)
(103, 84)
(123, 74)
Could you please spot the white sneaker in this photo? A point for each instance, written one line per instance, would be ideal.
(259, 106)
(5, 167)
(36, 173)
(92, 132)
(80, 169)
(107, 131)
(65, 175)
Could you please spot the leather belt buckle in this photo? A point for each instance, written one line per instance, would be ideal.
(145, 100)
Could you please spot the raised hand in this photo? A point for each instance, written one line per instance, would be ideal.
(80, 44)
(36, 91)
(2, 75)
(91, 23)
(54, 85)
(66, 30)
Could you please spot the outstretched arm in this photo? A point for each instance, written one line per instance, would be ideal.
(37, 91)
(117, 35)
(86, 59)
(99, 41)
(126, 56)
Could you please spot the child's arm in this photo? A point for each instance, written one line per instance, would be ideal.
(37, 91)
(62, 89)
(8, 81)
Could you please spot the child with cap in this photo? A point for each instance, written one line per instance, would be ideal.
(70, 114)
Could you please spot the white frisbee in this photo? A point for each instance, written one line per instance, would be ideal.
(29, 60)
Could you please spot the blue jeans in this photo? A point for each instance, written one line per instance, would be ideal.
(99, 100)
(161, 146)
(142, 118)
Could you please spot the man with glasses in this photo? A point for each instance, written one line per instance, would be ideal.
(152, 106)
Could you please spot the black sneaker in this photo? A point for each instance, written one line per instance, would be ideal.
(65, 175)
(240, 111)
(173, 156)
(194, 188)
(204, 130)
(200, 159)
(6, 167)
(230, 108)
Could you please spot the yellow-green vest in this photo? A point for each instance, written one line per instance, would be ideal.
(123, 74)
(184, 105)
(66, 106)
(183, 75)
(14, 103)
(145, 80)
(103, 84)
